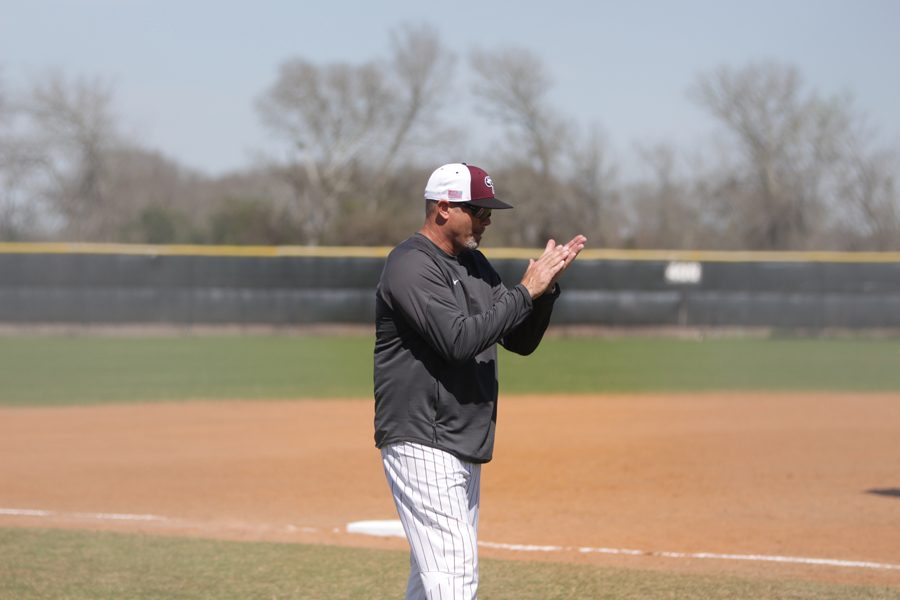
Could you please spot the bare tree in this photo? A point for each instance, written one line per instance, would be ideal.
(789, 141)
(74, 130)
(341, 119)
(594, 205)
(420, 71)
(328, 115)
(9, 173)
(157, 200)
(513, 84)
(870, 216)
(21, 208)
(20, 215)
(665, 212)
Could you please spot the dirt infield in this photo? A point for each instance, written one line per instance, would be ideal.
(806, 476)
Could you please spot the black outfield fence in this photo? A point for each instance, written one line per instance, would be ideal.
(116, 284)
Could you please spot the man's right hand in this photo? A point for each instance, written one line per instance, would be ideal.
(541, 273)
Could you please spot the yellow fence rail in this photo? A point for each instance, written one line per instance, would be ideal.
(494, 253)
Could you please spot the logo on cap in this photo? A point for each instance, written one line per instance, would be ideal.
(488, 182)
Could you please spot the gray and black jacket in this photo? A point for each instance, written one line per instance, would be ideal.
(438, 319)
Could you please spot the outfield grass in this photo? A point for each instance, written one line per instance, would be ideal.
(38, 564)
(42, 370)
(82, 370)
(660, 365)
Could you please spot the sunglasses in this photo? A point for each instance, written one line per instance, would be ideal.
(478, 212)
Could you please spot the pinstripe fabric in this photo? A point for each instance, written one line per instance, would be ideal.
(437, 497)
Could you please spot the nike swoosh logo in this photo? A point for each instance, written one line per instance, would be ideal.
(455, 281)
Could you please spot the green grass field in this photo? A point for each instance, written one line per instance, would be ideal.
(48, 371)
(40, 564)
(81, 369)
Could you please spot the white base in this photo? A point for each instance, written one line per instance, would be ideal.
(377, 528)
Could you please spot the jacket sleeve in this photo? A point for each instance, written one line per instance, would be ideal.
(416, 288)
(525, 338)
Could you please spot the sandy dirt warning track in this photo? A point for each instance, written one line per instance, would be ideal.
(700, 483)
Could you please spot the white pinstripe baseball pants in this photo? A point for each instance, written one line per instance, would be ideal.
(437, 498)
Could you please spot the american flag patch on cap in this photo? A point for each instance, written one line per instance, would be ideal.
(454, 195)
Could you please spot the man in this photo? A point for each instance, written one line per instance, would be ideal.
(440, 311)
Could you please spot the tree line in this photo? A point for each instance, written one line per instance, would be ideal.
(792, 168)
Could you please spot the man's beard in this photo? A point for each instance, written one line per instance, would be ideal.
(471, 243)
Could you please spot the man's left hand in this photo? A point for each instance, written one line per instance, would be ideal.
(575, 245)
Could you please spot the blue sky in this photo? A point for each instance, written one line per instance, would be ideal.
(186, 73)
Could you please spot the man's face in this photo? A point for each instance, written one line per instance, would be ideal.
(467, 227)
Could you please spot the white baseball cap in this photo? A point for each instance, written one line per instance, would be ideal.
(459, 182)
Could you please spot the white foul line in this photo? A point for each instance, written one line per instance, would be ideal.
(25, 512)
(28, 512)
(828, 562)
(389, 530)
(395, 529)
